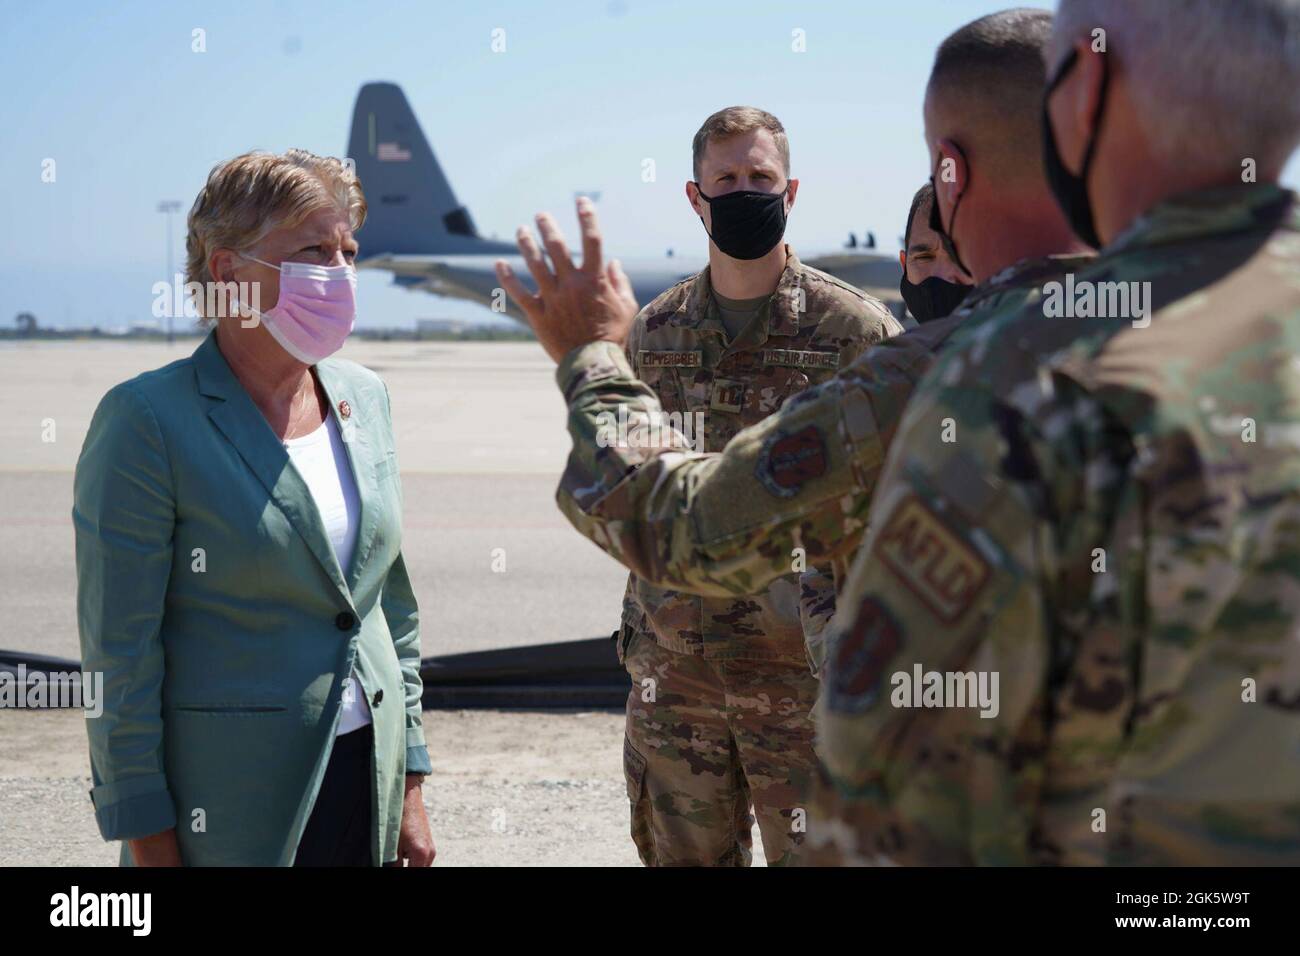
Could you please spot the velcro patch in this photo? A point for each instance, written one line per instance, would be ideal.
(653, 358)
(787, 461)
(941, 569)
(801, 359)
(727, 395)
(858, 657)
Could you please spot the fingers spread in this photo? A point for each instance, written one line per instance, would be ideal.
(526, 300)
(535, 261)
(618, 278)
(553, 240)
(622, 285)
(591, 241)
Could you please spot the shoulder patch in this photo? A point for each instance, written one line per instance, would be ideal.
(788, 460)
(936, 565)
(858, 657)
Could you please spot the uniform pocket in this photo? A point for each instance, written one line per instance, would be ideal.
(634, 767)
(665, 383)
(768, 390)
(633, 770)
(229, 709)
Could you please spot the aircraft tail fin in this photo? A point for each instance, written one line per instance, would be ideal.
(412, 208)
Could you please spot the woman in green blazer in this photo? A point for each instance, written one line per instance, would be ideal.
(242, 598)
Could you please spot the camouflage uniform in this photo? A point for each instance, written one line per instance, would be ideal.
(720, 713)
(706, 522)
(712, 523)
(1115, 533)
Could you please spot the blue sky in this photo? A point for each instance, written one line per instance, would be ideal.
(585, 90)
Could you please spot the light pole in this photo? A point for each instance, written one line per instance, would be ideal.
(169, 206)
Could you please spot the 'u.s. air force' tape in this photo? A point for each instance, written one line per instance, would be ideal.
(797, 358)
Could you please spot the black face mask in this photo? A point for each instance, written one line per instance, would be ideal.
(936, 223)
(747, 223)
(1071, 191)
(932, 298)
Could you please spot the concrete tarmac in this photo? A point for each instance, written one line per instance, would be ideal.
(480, 443)
(508, 788)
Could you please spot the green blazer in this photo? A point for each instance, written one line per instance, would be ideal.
(210, 598)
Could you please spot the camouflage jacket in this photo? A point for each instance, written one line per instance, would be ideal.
(812, 326)
(1101, 513)
(728, 524)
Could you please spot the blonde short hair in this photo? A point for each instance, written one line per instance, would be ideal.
(733, 121)
(248, 196)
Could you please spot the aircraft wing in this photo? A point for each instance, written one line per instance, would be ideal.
(473, 277)
(445, 276)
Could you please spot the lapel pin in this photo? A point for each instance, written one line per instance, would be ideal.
(345, 410)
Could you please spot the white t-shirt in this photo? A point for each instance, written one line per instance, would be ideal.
(321, 458)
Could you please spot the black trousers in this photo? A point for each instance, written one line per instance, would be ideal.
(338, 831)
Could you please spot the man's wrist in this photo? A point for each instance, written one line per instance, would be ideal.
(579, 361)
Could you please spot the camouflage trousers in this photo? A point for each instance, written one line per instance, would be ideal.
(711, 745)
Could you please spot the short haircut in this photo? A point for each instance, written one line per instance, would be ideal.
(987, 84)
(248, 196)
(733, 121)
(1215, 82)
(923, 195)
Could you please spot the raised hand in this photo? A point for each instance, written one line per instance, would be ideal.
(573, 305)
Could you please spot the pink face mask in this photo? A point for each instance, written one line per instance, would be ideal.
(316, 309)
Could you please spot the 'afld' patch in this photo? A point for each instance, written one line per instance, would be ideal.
(941, 569)
(788, 461)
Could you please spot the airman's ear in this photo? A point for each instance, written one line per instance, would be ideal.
(1086, 97)
(693, 197)
(951, 174)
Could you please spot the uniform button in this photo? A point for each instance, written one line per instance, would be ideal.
(345, 621)
(378, 698)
